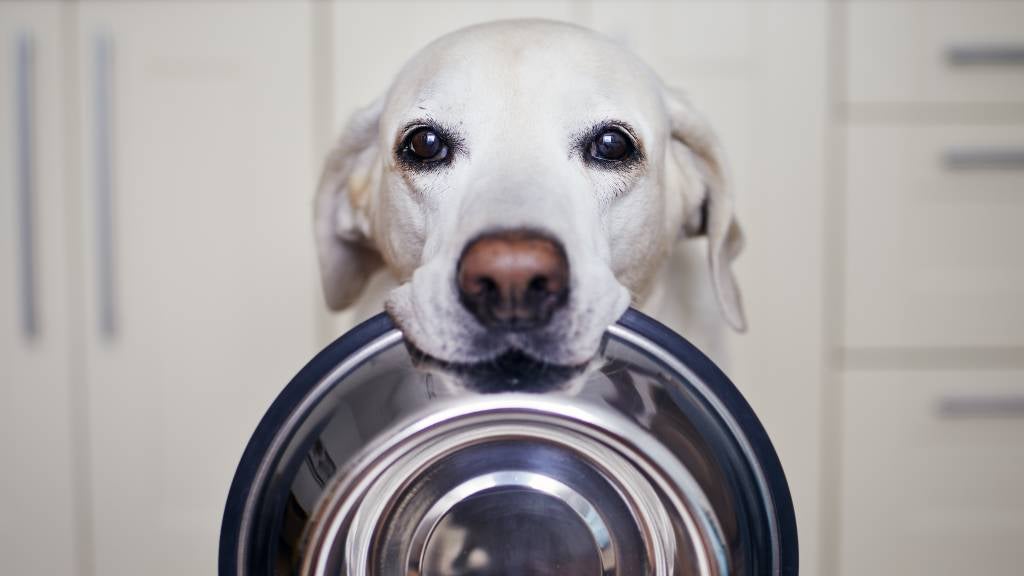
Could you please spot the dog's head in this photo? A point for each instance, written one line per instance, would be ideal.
(523, 180)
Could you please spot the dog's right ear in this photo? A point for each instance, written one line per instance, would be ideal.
(346, 252)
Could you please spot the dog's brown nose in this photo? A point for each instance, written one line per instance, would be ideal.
(513, 280)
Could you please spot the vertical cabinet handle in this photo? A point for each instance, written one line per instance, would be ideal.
(104, 192)
(25, 168)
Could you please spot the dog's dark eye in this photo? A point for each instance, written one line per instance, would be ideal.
(611, 146)
(425, 145)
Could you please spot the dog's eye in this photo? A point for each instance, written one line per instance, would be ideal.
(425, 145)
(611, 146)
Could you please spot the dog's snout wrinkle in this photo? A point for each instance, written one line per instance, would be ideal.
(513, 280)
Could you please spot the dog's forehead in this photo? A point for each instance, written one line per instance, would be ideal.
(530, 68)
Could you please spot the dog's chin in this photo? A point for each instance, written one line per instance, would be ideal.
(440, 328)
(511, 371)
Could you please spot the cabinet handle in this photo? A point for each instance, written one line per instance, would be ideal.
(103, 158)
(985, 55)
(984, 158)
(25, 166)
(995, 406)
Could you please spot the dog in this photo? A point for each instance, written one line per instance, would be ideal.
(524, 182)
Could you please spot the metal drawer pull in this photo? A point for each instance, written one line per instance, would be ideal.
(985, 55)
(984, 158)
(25, 166)
(103, 158)
(1008, 406)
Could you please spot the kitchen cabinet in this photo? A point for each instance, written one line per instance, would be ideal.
(932, 236)
(932, 468)
(927, 403)
(934, 52)
(194, 168)
(159, 285)
(39, 456)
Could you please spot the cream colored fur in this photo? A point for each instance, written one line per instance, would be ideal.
(518, 93)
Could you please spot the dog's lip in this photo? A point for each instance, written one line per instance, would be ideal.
(513, 370)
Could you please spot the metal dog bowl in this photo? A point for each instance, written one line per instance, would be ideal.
(374, 461)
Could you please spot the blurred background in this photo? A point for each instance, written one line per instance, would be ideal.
(158, 284)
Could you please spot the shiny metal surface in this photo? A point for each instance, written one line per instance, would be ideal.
(497, 504)
(376, 462)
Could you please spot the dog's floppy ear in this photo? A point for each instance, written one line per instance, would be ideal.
(698, 152)
(346, 253)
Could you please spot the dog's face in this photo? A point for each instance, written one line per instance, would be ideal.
(523, 180)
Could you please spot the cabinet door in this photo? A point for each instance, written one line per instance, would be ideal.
(37, 455)
(934, 52)
(932, 251)
(932, 469)
(196, 176)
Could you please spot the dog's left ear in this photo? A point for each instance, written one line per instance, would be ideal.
(709, 208)
(346, 252)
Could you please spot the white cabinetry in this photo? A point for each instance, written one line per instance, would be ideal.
(200, 306)
(38, 484)
(931, 406)
(933, 465)
(923, 53)
(173, 284)
(933, 236)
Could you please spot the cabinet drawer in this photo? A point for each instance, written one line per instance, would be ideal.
(936, 52)
(933, 252)
(932, 473)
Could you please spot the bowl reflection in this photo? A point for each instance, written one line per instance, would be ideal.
(377, 461)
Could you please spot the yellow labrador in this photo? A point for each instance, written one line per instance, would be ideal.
(524, 181)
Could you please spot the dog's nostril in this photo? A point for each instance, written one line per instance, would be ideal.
(513, 280)
(538, 285)
(486, 286)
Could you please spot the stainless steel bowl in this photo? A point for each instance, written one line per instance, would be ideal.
(376, 461)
